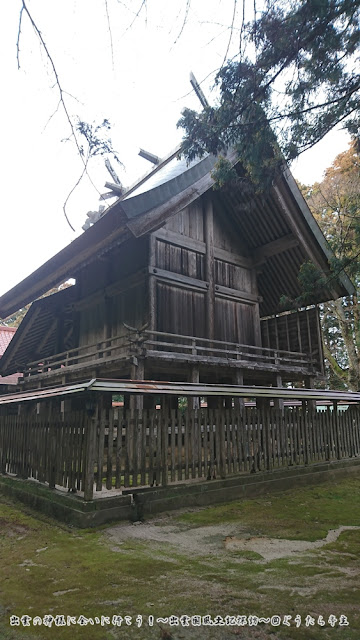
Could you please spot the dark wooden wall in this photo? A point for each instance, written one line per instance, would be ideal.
(201, 281)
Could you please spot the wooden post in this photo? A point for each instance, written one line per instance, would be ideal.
(136, 373)
(239, 403)
(152, 283)
(194, 402)
(91, 428)
(309, 384)
(337, 430)
(209, 267)
(279, 402)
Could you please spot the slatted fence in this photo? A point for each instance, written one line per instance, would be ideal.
(124, 449)
(156, 447)
(51, 451)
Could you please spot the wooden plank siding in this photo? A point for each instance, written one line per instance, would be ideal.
(204, 286)
(296, 331)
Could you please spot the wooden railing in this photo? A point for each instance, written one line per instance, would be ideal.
(160, 343)
(118, 450)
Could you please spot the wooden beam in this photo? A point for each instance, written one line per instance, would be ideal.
(178, 279)
(261, 254)
(116, 188)
(181, 240)
(241, 296)
(150, 157)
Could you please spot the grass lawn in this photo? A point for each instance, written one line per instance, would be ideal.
(261, 557)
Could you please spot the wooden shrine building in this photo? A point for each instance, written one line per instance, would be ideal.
(178, 283)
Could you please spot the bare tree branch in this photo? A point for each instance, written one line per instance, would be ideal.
(187, 8)
(110, 33)
(143, 3)
(62, 102)
(231, 33)
(71, 192)
(18, 38)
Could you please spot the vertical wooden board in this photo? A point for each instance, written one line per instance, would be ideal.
(152, 447)
(234, 443)
(75, 417)
(67, 469)
(59, 449)
(172, 423)
(332, 435)
(109, 463)
(192, 443)
(128, 425)
(251, 437)
(349, 434)
(100, 451)
(321, 435)
(71, 451)
(223, 444)
(349, 426)
(143, 452)
(291, 430)
(135, 421)
(267, 439)
(310, 428)
(241, 420)
(205, 439)
(165, 447)
(158, 446)
(82, 424)
(217, 446)
(300, 427)
(119, 450)
(346, 433)
(273, 436)
(211, 453)
(354, 425)
(200, 449)
(247, 440)
(186, 442)
(90, 455)
(179, 442)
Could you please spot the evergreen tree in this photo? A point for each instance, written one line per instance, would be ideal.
(335, 203)
(295, 76)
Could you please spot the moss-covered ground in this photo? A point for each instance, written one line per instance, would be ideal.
(48, 568)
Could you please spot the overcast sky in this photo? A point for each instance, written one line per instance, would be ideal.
(131, 70)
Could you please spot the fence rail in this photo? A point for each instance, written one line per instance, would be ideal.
(155, 447)
(159, 343)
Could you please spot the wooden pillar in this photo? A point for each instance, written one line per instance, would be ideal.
(90, 454)
(209, 267)
(239, 403)
(136, 373)
(309, 384)
(152, 284)
(279, 402)
(194, 402)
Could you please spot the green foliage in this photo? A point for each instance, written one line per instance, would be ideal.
(298, 81)
(335, 203)
(98, 142)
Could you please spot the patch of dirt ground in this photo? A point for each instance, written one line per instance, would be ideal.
(215, 539)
